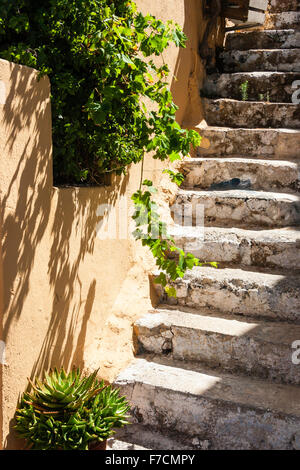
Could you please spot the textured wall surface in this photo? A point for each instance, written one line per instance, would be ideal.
(69, 297)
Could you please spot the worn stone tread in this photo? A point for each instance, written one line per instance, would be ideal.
(279, 6)
(254, 60)
(283, 20)
(263, 39)
(263, 175)
(140, 437)
(231, 412)
(118, 444)
(238, 208)
(259, 348)
(239, 292)
(275, 144)
(276, 87)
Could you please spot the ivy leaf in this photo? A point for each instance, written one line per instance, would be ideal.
(177, 178)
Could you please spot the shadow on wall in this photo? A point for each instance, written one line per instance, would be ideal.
(75, 219)
(25, 203)
(45, 232)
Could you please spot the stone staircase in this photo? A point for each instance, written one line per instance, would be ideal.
(214, 366)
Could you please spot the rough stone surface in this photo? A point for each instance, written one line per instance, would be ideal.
(251, 114)
(262, 174)
(272, 60)
(227, 411)
(276, 144)
(235, 291)
(275, 87)
(278, 6)
(118, 444)
(138, 436)
(277, 249)
(240, 208)
(261, 348)
(283, 20)
(282, 39)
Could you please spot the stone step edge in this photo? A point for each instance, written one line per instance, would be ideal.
(188, 161)
(262, 103)
(198, 381)
(240, 194)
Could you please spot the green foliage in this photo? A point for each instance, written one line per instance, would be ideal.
(68, 411)
(244, 90)
(153, 233)
(98, 56)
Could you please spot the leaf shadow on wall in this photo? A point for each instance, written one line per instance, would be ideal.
(37, 224)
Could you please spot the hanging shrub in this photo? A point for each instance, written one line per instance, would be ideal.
(98, 55)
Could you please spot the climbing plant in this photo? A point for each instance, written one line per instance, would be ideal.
(99, 56)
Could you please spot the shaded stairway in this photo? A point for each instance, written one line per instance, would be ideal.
(214, 367)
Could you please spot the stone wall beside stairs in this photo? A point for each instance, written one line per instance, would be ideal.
(214, 366)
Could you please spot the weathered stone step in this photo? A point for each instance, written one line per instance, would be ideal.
(276, 144)
(279, 6)
(229, 412)
(277, 175)
(140, 437)
(276, 249)
(238, 208)
(261, 349)
(275, 87)
(269, 60)
(283, 20)
(265, 39)
(252, 114)
(238, 292)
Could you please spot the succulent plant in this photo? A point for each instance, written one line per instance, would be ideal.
(69, 411)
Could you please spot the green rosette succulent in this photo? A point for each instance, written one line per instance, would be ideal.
(69, 411)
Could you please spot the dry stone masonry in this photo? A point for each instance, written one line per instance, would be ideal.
(214, 366)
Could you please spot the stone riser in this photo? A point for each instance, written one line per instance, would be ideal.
(284, 20)
(238, 292)
(284, 39)
(255, 143)
(267, 249)
(278, 6)
(278, 60)
(237, 114)
(276, 87)
(211, 409)
(259, 349)
(239, 208)
(262, 174)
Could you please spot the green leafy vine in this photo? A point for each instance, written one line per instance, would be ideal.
(153, 233)
(99, 56)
